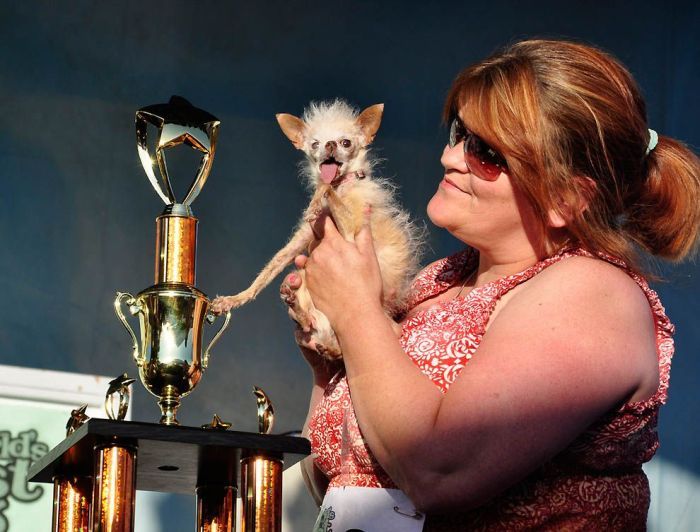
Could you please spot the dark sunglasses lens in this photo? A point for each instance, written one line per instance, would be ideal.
(483, 160)
(457, 132)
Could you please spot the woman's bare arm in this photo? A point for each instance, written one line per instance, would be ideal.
(316, 482)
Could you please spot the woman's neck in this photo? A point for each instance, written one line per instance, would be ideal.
(516, 254)
(492, 267)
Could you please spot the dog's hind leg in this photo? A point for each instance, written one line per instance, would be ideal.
(315, 327)
(325, 339)
(299, 303)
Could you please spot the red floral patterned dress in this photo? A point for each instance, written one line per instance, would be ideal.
(596, 483)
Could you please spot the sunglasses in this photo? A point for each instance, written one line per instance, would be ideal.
(483, 161)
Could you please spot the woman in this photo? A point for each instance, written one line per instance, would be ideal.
(523, 390)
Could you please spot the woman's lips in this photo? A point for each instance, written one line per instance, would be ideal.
(446, 183)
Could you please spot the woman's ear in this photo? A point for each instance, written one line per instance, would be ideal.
(557, 219)
(573, 203)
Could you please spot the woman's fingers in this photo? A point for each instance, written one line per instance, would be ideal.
(330, 231)
(300, 262)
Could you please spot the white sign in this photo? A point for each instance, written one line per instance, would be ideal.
(34, 408)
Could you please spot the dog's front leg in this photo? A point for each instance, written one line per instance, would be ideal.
(315, 208)
(342, 216)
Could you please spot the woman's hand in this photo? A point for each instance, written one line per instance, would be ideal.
(343, 277)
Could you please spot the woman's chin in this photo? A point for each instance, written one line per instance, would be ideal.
(436, 211)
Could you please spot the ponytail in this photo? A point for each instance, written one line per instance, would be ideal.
(664, 218)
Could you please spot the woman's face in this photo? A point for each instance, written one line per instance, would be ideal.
(484, 214)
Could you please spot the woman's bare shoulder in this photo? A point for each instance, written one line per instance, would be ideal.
(589, 279)
(595, 309)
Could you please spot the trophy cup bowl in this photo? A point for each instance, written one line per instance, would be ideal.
(172, 312)
(169, 356)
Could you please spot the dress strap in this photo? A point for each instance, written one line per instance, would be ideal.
(507, 283)
(441, 275)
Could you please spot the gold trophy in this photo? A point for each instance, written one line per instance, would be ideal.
(172, 312)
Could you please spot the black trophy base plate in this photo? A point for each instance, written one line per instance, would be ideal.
(170, 459)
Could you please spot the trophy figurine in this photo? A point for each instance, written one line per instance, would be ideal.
(172, 312)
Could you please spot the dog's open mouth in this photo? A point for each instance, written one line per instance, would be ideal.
(330, 169)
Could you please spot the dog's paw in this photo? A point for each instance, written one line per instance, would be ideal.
(221, 304)
(311, 218)
(305, 339)
(288, 294)
(328, 352)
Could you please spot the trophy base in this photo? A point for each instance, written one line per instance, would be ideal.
(169, 403)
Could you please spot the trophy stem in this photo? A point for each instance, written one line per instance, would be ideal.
(169, 403)
(176, 249)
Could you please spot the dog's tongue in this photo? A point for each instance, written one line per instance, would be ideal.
(328, 172)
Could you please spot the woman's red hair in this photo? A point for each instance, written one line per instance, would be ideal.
(572, 125)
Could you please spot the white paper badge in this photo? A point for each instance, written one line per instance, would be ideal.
(351, 509)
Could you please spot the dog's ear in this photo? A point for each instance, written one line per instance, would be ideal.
(293, 127)
(369, 121)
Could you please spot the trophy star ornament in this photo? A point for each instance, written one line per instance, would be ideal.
(266, 413)
(76, 419)
(118, 392)
(217, 424)
(177, 122)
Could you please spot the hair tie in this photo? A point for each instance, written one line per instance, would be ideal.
(653, 141)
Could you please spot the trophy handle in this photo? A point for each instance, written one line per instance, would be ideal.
(210, 318)
(134, 309)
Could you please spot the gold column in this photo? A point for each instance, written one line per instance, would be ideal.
(176, 249)
(71, 504)
(114, 490)
(216, 509)
(261, 489)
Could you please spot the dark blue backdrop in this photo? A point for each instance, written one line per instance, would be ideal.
(77, 213)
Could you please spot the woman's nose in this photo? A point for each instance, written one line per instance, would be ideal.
(453, 158)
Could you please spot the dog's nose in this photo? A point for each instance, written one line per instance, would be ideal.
(331, 145)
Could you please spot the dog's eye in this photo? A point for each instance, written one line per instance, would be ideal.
(345, 143)
(314, 145)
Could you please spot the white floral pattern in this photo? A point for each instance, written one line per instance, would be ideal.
(595, 484)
